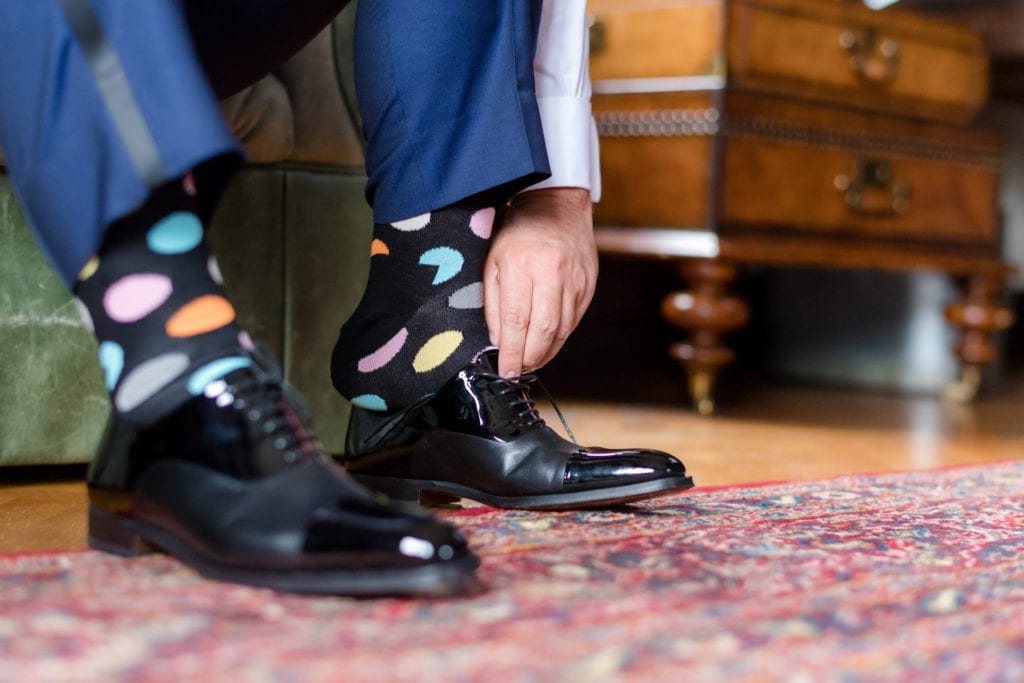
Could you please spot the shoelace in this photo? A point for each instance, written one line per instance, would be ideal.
(262, 398)
(528, 413)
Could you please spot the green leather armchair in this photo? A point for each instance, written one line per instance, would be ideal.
(292, 235)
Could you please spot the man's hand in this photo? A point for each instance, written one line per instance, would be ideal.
(539, 276)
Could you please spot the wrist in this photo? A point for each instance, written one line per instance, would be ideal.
(564, 206)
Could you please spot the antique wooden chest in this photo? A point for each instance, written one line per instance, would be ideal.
(794, 132)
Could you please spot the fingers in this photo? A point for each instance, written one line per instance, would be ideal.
(539, 277)
(515, 297)
(545, 321)
(492, 305)
(531, 316)
(567, 323)
(574, 302)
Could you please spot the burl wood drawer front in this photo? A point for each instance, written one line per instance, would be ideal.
(842, 52)
(656, 159)
(781, 187)
(655, 182)
(818, 50)
(655, 38)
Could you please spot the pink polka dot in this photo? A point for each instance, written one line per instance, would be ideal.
(246, 341)
(188, 183)
(384, 354)
(482, 223)
(135, 296)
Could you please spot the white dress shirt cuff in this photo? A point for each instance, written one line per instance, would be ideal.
(570, 137)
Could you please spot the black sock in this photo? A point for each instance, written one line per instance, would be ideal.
(421, 319)
(154, 299)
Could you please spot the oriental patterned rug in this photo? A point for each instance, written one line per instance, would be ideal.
(901, 577)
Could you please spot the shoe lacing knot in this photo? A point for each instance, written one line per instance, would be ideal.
(517, 389)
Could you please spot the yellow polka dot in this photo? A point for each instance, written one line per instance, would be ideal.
(377, 247)
(437, 350)
(89, 269)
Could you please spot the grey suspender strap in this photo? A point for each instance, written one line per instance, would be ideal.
(115, 90)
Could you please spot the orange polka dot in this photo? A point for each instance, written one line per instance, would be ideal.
(378, 247)
(205, 314)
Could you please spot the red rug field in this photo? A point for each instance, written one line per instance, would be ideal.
(897, 577)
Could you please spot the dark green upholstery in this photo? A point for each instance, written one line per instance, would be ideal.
(52, 401)
(292, 235)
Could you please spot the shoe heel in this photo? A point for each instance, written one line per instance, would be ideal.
(405, 490)
(115, 534)
(437, 499)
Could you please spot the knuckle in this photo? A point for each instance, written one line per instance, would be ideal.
(513, 319)
(545, 325)
(553, 260)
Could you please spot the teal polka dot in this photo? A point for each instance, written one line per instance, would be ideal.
(370, 402)
(112, 360)
(215, 370)
(179, 232)
(448, 262)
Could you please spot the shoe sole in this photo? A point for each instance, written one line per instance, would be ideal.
(428, 493)
(118, 535)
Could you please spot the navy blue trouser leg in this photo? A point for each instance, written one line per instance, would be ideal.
(448, 103)
(93, 117)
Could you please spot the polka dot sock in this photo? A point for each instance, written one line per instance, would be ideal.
(153, 297)
(421, 319)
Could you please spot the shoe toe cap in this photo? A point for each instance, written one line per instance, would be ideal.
(385, 534)
(600, 467)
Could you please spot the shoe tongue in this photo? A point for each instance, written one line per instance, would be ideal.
(487, 360)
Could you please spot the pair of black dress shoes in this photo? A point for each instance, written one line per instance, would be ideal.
(233, 485)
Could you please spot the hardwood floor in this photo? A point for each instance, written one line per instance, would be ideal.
(41, 512)
(766, 433)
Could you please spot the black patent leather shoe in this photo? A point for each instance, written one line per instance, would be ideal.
(481, 437)
(232, 485)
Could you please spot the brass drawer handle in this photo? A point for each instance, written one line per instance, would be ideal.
(873, 60)
(872, 191)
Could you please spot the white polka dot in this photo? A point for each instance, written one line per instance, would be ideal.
(84, 314)
(412, 224)
(214, 269)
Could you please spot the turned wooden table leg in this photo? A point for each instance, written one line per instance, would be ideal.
(979, 316)
(707, 312)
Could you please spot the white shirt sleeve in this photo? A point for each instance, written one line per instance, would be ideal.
(562, 80)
